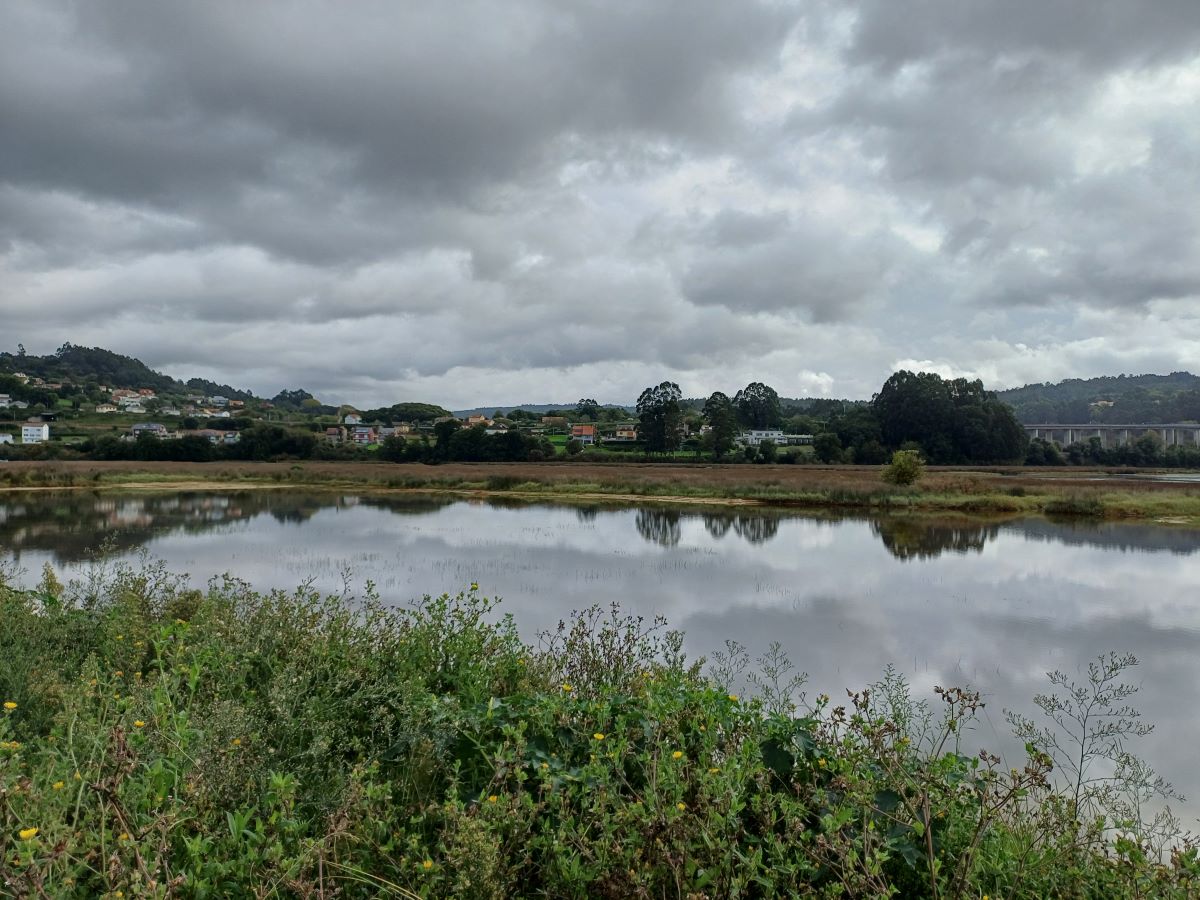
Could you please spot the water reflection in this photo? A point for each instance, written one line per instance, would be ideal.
(907, 538)
(993, 604)
(71, 526)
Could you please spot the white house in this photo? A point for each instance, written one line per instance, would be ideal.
(352, 419)
(34, 432)
(5, 437)
(756, 436)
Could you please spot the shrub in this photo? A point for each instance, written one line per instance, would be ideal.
(162, 741)
(906, 468)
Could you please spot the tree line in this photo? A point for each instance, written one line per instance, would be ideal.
(950, 421)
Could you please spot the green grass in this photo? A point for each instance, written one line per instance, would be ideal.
(162, 741)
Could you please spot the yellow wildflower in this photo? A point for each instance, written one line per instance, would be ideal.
(474, 585)
(567, 688)
(681, 806)
(713, 770)
(733, 697)
(9, 705)
(237, 742)
(27, 834)
(704, 728)
(598, 736)
(119, 673)
(492, 798)
(124, 836)
(545, 765)
(78, 777)
(58, 785)
(821, 762)
(138, 723)
(427, 865)
(678, 754)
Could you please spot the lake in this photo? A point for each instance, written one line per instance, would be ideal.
(993, 605)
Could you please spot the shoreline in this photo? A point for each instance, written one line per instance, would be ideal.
(980, 492)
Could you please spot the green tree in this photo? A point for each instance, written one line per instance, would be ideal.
(758, 406)
(661, 417)
(587, 409)
(827, 447)
(721, 417)
(906, 468)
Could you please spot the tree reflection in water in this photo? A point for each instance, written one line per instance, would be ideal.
(660, 526)
(921, 539)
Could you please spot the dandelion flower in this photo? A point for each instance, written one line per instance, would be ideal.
(681, 806)
(58, 785)
(237, 742)
(678, 754)
(545, 765)
(9, 705)
(598, 736)
(124, 836)
(119, 673)
(567, 688)
(713, 770)
(733, 697)
(704, 728)
(492, 798)
(78, 777)
(821, 762)
(138, 723)
(27, 834)
(427, 865)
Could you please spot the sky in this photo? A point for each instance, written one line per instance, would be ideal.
(476, 203)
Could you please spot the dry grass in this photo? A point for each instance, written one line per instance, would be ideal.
(979, 490)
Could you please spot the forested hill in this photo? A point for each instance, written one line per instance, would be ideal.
(1120, 399)
(78, 364)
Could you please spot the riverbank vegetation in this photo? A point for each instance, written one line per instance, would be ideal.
(161, 741)
(986, 491)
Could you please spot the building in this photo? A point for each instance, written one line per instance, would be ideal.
(5, 400)
(624, 433)
(151, 428)
(585, 434)
(756, 436)
(5, 437)
(352, 419)
(35, 432)
(363, 434)
(105, 409)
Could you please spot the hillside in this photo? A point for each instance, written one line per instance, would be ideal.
(1120, 399)
(79, 364)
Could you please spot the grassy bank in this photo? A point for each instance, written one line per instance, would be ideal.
(159, 741)
(1076, 492)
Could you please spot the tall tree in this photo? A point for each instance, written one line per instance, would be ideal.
(587, 409)
(758, 406)
(722, 420)
(661, 417)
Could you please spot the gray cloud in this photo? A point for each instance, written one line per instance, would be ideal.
(532, 194)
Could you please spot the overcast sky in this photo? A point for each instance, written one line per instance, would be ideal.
(474, 203)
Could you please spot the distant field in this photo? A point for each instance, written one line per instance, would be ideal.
(987, 488)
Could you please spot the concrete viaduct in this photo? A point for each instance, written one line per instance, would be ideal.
(1186, 434)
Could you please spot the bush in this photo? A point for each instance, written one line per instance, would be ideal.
(160, 741)
(906, 468)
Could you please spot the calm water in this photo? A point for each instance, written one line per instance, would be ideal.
(947, 602)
